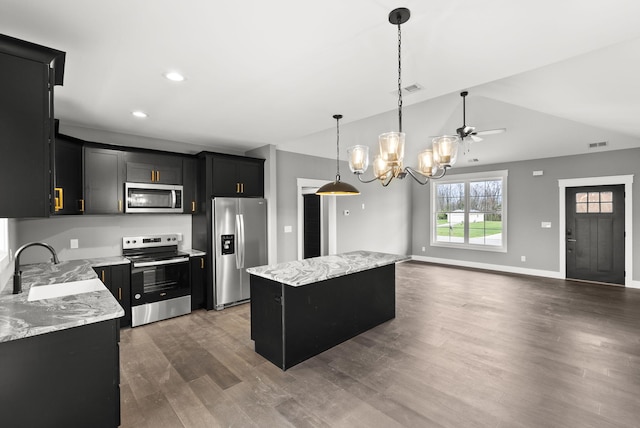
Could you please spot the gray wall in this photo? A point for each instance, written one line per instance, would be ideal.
(532, 200)
(384, 224)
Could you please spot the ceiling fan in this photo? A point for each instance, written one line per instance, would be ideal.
(467, 133)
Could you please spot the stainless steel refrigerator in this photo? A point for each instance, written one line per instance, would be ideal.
(239, 234)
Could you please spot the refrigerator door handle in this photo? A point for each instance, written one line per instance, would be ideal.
(238, 242)
(242, 243)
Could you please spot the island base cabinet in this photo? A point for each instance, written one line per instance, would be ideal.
(291, 324)
(68, 378)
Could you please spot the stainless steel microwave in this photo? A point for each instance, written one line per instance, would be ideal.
(153, 198)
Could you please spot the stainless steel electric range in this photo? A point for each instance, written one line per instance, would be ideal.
(160, 278)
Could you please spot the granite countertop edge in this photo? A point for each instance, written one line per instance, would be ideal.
(308, 271)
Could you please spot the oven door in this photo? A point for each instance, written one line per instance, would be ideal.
(161, 280)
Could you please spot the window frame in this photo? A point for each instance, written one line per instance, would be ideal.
(466, 179)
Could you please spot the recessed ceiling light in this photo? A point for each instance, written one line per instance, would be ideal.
(174, 76)
(140, 114)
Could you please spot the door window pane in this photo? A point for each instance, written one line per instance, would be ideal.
(594, 202)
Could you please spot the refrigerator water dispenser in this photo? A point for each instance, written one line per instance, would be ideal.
(228, 244)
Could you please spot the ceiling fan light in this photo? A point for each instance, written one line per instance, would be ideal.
(358, 159)
(392, 147)
(445, 149)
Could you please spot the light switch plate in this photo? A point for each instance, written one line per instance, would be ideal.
(73, 243)
(288, 229)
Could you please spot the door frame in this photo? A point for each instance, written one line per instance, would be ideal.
(627, 180)
(302, 185)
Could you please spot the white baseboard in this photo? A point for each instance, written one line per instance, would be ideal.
(633, 284)
(503, 268)
(487, 266)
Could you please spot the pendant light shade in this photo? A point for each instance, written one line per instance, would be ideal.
(337, 187)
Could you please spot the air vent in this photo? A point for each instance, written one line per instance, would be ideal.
(598, 145)
(412, 88)
(408, 90)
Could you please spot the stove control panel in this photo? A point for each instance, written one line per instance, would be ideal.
(150, 241)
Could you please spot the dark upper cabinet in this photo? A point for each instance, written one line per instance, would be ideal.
(117, 278)
(103, 180)
(237, 176)
(67, 186)
(190, 185)
(153, 168)
(28, 74)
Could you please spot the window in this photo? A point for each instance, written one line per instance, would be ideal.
(470, 211)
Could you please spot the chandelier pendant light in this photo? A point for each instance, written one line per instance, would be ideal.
(433, 163)
(337, 187)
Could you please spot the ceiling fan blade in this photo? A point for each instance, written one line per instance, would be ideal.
(490, 131)
(475, 138)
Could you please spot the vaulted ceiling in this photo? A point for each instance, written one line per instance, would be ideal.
(558, 74)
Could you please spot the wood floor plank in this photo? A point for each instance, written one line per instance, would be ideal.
(467, 348)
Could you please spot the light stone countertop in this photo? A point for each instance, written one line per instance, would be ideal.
(308, 271)
(20, 318)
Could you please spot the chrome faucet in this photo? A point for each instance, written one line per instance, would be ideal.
(17, 274)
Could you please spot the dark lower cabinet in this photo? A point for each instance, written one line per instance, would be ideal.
(198, 276)
(117, 278)
(68, 378)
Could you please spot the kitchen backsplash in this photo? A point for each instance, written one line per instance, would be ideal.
(97, 236)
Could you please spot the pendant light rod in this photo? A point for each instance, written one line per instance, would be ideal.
(337, 117)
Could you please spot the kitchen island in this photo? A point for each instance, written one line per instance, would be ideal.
(302, 308)
(59, 357)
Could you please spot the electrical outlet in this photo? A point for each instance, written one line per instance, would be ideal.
(73, 243)
(523, 258)
(545, 225)
(362, 206)
(424, 249)
(288, 229)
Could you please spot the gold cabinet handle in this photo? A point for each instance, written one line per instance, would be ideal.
(120, 205)
(81, 205)
(102, 275)
(237, 187)
(119, 293)
(58, 199)
(157, 175)
(201, 262)
(242, 187)
(193, 206)
(153, 176)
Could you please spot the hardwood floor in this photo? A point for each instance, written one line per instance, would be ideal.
(467, 349)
